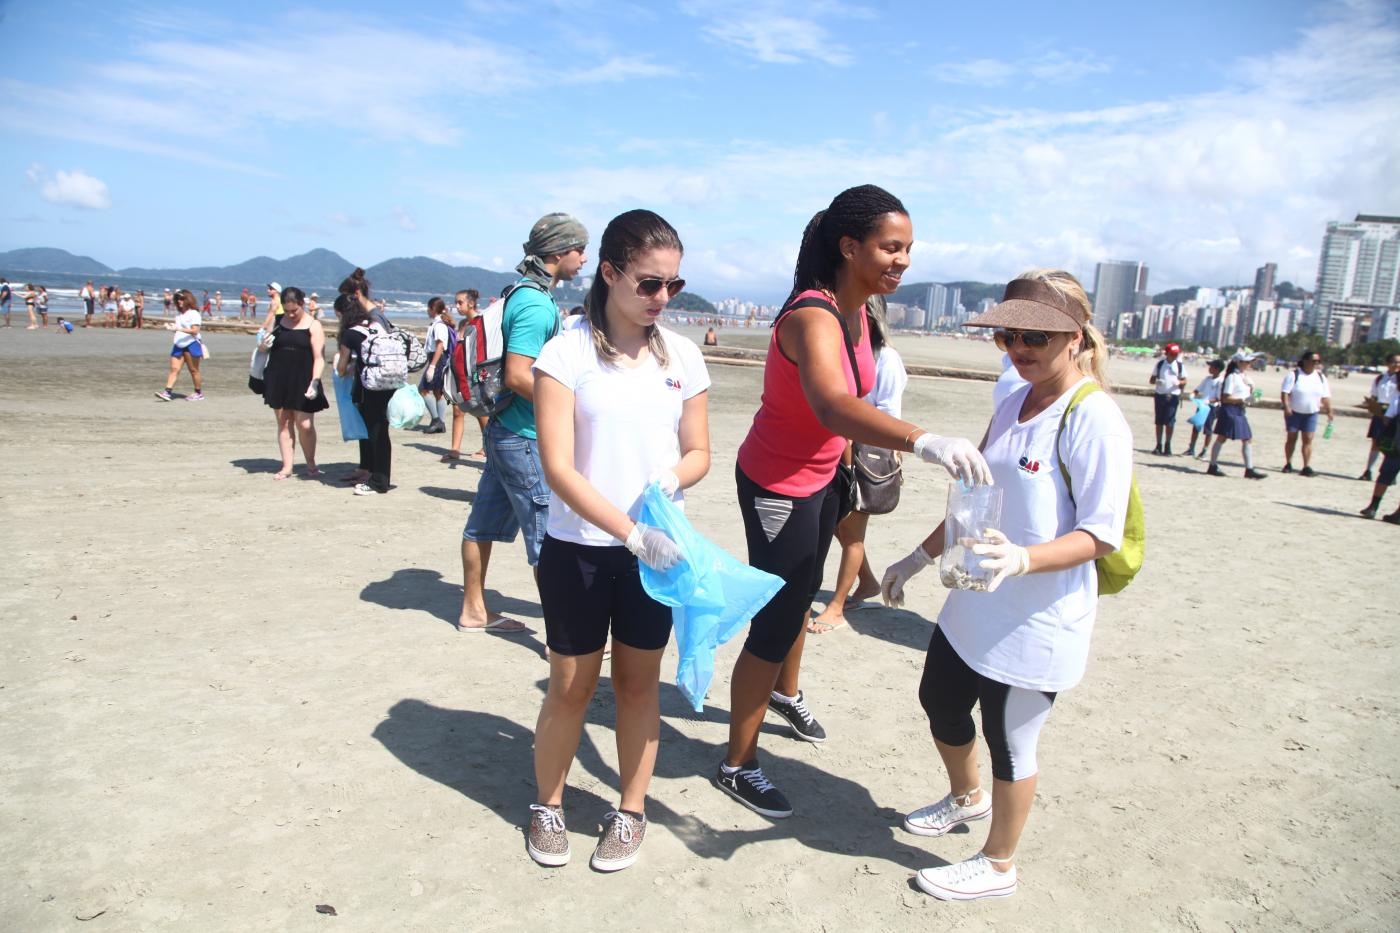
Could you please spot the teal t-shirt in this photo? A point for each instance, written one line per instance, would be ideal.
(531, 319)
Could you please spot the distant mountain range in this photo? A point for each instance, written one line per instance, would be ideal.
(320, 269)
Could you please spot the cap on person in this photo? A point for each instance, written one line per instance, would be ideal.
(274, 286)
(1173, 348)
(1245, 355)
(314, 295)
(1030, 304)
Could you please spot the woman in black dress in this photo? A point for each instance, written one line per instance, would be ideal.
(292, 381)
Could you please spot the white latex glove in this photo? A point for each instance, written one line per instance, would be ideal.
(652, 547)
(668, 480)
(958, 455)
(1007, 559)
(899, 573)
(429, 374)
(311, 390)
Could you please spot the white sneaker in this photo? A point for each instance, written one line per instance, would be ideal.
(937, 818)
(967, 881)
(365, 489)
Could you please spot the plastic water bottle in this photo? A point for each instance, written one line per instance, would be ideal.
(1327, 431)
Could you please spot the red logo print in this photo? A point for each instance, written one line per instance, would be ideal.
(673, 383)
(1029, 465)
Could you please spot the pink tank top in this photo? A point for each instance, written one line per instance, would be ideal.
(787, 449)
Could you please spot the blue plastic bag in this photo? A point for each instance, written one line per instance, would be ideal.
(712, 595)
(1198, 417)
(406, 407)
(352, 424)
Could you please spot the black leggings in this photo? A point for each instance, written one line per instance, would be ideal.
(376, 452)
(788, 536)
(1011, 716)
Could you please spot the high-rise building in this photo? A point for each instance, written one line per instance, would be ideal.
(1118, 286)
(1263, 292)
(1358, 275)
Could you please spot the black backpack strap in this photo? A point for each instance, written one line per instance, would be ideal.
(845, 332)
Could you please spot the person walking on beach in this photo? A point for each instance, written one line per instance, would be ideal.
(1384, 389)
(620, 403)
(441, 339)
(110, 296)
(357, 326)
(511, 495)
(1209, 392)
(1304, 393)
(853, 568)
(7, 295)
(274, 306)
(313, 306)
(818, 366)
(1013, 648)
(292, 381)
(252, 306)
(126, 308)
(30, 294)
(218, 303)
(1389, 439)
(139, 319)
(1168, 379)
(41, 305)
(168, 299)
(1232, 424)
(243, 305)
(467, 314)
(88, 295)
(186, 351)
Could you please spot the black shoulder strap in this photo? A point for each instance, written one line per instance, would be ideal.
(511, 289)
(845, 332)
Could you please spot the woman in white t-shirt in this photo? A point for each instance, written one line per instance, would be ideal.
(186, 350)
(1304, 394)
(441, 338)
(1209, 393)
(1014, 647)
(888, 396)
(619, 403)
(1231, 422)
(1385, 388)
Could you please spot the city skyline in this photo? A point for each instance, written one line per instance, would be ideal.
(159, 138)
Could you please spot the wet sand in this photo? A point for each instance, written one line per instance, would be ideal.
(226, 700)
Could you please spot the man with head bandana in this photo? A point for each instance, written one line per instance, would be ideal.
(512, 494)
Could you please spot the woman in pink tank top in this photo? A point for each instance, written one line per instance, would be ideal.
(819, 365)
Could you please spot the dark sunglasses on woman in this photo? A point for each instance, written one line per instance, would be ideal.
(649, 287)
(1006, 339)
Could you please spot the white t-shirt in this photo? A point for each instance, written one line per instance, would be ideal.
(1236, 385)
(1384, 390)
(626, 421)
(1209, 389)
(1033, 632)
(1168, 374)
(184, 321)
(438, 332)
(1305, 392)
(890, 382)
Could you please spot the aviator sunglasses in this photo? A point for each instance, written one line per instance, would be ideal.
(1006, 339)
(649, 287)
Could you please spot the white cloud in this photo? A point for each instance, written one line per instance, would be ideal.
(774, 31)
(1050, 68)
(405, 220)
(69, 189)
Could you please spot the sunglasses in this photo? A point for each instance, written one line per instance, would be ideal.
(1006, 339)
(651, 286)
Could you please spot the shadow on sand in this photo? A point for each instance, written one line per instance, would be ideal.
(419, 590)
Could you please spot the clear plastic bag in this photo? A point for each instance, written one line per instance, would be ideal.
(712, 594)
(971, 511)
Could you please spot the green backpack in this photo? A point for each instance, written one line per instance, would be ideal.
(1116, 570)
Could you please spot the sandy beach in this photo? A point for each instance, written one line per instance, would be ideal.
(227, 700)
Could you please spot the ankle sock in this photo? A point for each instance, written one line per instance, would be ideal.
(782, 699)
(729, 769)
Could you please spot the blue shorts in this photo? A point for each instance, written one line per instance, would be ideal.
(511, 494)
(195, 350)
(1166, 406)
(1300, 422)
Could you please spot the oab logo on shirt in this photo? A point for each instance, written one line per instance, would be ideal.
(672, 383)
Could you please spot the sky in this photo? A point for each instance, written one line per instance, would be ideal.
(1203, 138)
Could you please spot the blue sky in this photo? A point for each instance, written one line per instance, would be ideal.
(1203, 138)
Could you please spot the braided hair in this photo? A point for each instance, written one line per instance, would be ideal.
(853, 213)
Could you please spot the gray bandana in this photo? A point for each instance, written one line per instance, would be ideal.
(551, 235)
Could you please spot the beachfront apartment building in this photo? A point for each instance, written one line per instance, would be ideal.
(1358, 277)
(1119, 286)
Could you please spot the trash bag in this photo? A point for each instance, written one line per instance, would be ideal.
(1198, 417)
(352, 423)
(406, 408)
(712, 594)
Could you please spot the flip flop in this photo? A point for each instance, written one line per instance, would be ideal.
(280, 476)
(499, 627)
(313, 474)
(822, 628)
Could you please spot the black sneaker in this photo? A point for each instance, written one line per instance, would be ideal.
(1287, 468)
(1255, 474)
(753, 790)
(1306, 471)
(1214, 470)
(1157, 450)
(1167, 450)
(1366, 477)
(804, 724)
(1368, 512)
(1190, 451)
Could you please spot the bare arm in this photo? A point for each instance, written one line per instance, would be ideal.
(1071, 550)
(318, 349)
(342, 361)
(517, 378)
(694, 440)
(812, 339)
